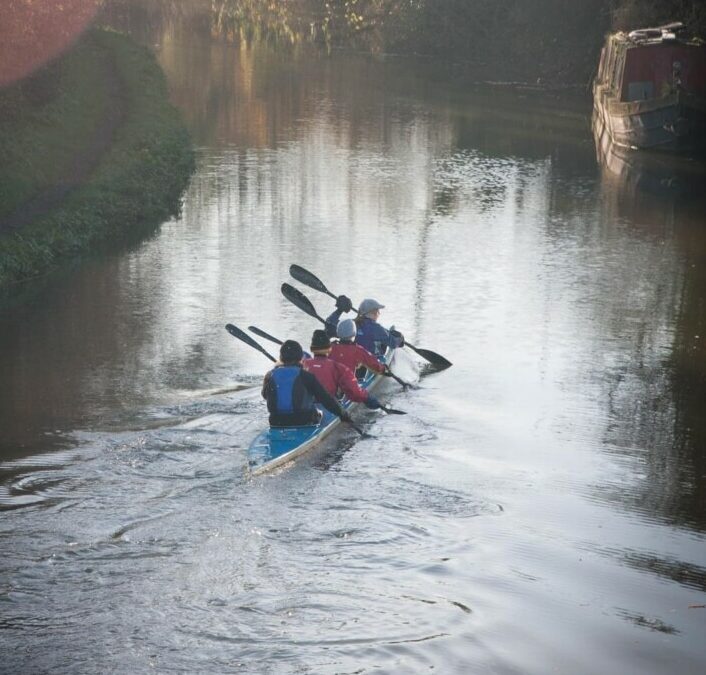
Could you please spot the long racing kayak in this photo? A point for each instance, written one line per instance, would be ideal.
(277, 446)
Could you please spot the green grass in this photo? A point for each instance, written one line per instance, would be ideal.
(139, 179)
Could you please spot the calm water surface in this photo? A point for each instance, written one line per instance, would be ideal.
(541, 508)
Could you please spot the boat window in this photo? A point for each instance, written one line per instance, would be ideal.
(639, 91)
(617, 75)
(609, 66)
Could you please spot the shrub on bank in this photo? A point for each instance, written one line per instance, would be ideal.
(550, 41)
(143, 167)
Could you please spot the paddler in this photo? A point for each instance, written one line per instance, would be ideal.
(352, 355)
(335, 377)
(369, 333)
(291, 392)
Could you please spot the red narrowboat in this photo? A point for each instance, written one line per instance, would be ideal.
(650, 90)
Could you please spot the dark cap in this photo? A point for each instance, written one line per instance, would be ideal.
(290, 352)
(320, 341)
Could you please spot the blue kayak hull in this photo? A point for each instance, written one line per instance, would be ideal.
(275, 447)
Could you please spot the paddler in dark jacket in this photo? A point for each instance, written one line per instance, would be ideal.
(335, 377)
(369, 334)
(291, 392)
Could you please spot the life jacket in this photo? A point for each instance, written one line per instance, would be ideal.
(287, 394)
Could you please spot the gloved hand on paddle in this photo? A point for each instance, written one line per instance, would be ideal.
(372, 403)
(398, 335)
(344, 304)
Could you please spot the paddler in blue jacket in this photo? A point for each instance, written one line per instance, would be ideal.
(370, 334)
(291, 392)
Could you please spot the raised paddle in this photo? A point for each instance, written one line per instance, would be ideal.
(308, 279)
(241, 335)
(296, 297)
(262, 334)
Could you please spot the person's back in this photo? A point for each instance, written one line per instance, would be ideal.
(288, 399)
(351, 354)
(333, 376)
(291, 392)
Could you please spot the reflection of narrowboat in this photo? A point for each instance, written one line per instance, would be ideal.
(650, 90)
(656, 173)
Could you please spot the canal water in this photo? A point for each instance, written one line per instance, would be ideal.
(540, 509)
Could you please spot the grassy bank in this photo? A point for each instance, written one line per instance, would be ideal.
(92, 151)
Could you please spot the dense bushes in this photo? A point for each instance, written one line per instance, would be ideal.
(629, 14)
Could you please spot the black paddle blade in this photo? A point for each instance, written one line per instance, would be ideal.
(262, 334)
(241, 335)
(308, 279)
(392, 411)
(437, 360)
(298, 298)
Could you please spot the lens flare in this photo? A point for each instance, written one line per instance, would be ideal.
(33, 32)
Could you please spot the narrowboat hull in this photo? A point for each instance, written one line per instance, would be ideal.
(276, 447)
(675, 123)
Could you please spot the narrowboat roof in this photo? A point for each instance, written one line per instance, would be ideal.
(668, 33)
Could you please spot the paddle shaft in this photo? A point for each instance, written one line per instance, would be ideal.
(241, 335)
(399, 379)
(262, 334)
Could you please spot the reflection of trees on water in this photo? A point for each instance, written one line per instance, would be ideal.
(319, 21)
(688, 370)
(151, 20)
(290, 23)
(658, 397)
(65, 376)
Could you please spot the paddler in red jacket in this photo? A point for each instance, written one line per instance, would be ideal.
(351, 354)
(334, 376)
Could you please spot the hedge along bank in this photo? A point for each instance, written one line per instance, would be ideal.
(93, 152)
